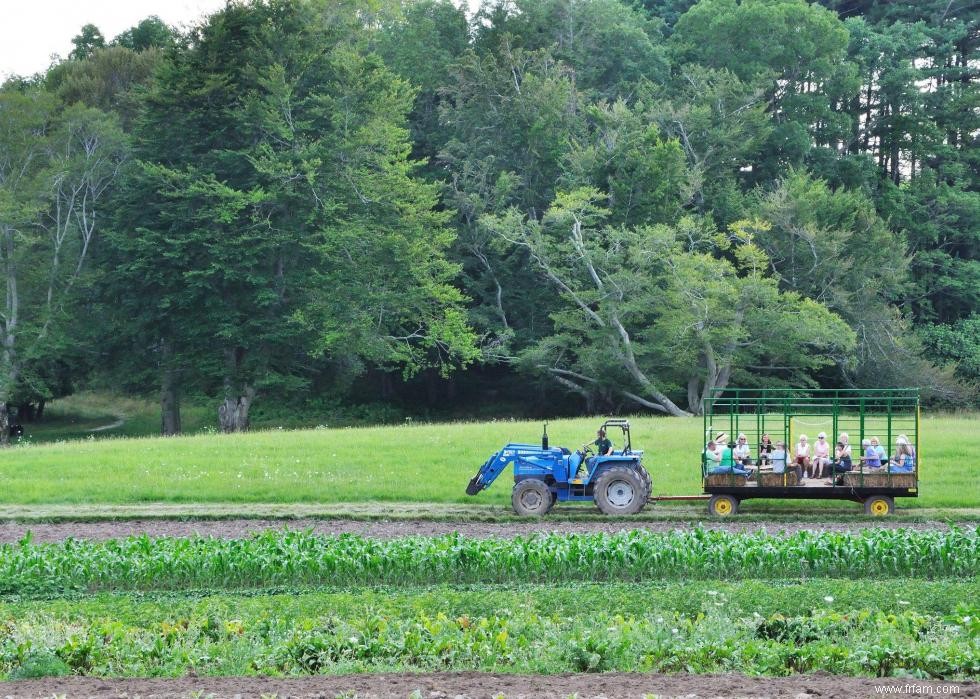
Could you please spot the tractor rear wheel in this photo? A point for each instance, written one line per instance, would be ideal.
(620, 491)
(647, 479)
(532, 498)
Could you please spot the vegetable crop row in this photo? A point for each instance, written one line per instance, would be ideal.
(291, 558)
(861, 642)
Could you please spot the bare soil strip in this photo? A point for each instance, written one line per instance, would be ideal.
(11, 532)
(757, 512)
(473, 685)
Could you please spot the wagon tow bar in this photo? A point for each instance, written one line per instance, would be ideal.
(661, 498)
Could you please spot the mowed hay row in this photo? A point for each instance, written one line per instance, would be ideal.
(291, 558)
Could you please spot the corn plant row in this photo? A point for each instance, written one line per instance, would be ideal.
(861, 642)
(292, 558)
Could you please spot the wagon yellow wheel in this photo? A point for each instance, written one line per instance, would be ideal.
(879, 506)
(722, 505)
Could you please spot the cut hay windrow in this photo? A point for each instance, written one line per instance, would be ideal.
(296, 559)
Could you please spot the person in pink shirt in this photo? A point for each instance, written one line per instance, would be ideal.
(821, 455)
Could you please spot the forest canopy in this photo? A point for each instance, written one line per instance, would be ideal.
(535, 207)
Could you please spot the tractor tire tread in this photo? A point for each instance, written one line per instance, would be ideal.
(546, 498)
(641, 492)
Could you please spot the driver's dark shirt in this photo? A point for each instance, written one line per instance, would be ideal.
(603, 445)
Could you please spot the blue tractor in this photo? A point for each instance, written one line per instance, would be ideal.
(543, 475)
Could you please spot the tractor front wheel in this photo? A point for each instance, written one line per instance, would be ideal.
(722, 505)
(532, 498)
(620, 491)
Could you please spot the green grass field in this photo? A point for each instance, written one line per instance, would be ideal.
(406, 463)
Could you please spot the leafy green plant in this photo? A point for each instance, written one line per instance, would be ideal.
(39, 664)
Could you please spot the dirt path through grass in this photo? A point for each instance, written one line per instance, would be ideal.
(119, 422)
(485, 685)
(752, 512)
(11, 532)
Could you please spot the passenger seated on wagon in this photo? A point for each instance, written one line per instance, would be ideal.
(711, 456)
(903, 461)
(845, 441)
(743, 452)
(728, 463)
(908, 443)
(721, 439)
(821, 455)
(802, 458)
(765, 450)
(779, 458)
(842, 462)
(876, 445)
(871, 458)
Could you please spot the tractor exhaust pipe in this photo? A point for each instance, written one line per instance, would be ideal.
(544, 438)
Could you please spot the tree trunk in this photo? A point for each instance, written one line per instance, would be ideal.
(694, 395)
(40, 410)
(169, 391)
(4, 425)
(169, 403)
(239, 394)
(233, 411)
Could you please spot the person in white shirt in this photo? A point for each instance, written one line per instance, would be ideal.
(742, 451)
(743, 454)
(802, 458)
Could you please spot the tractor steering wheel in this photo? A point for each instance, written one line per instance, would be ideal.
(587, 449)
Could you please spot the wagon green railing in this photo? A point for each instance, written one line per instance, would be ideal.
(890, 415)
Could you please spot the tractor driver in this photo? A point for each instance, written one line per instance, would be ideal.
(603, 445)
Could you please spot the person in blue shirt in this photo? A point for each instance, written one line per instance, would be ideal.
(903, 461)
(879, 450)
(778, 458)
(871, 458)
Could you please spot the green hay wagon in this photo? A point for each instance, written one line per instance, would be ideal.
(891, 416)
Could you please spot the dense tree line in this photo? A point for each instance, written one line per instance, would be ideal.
(548, 205)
